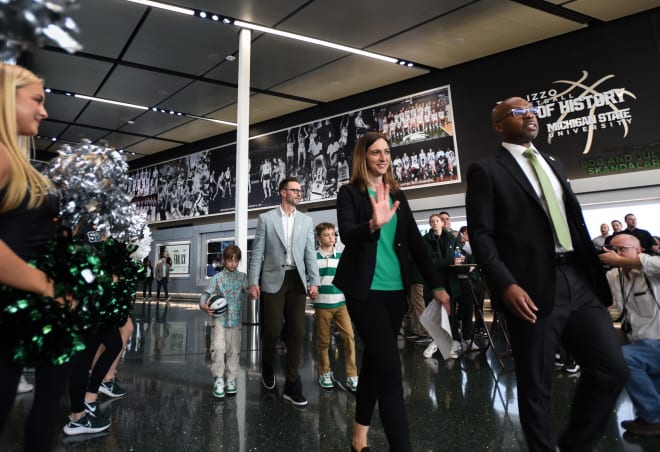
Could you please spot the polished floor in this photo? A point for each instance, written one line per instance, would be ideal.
(467, 404)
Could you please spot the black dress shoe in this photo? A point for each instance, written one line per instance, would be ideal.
(293, 393)
(643, 428)
(268, 376)
(625, 424)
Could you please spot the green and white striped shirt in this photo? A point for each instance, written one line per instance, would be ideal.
(329, 296)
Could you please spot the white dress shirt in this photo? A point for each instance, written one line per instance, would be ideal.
(287, 226)
(525, 164)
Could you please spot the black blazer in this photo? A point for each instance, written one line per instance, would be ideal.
(512, 237)
(358, 261)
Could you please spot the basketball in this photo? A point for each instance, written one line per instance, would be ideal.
(218, 304)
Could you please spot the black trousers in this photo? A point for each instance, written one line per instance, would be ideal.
(377, 321)
(582, 324)
(162, 283)
(50, 384)
(147, 284)
(289, 302)
(81, 381)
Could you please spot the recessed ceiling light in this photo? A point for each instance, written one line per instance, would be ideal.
(321, 42)
(176, 9)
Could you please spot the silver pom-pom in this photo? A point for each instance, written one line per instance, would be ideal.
(32, 22)
(92, 183)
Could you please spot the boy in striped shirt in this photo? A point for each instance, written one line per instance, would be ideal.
(330, 306)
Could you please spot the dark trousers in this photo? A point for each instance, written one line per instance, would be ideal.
(161, 283)
(289, 301)
(81, 381)
(466, 307)
(584, 327)
(50, 384)
(147, 284)
(377, 321)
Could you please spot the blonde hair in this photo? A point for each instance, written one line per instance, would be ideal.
(22, 174)
(360, 176)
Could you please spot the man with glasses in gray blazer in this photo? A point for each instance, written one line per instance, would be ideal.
(283, 269)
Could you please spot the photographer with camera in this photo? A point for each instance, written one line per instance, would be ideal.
(635, 284)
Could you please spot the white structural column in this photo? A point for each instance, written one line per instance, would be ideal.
(242, 181)
(242, 136)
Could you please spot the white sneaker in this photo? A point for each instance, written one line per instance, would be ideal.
(219, 388)
(231, 386)
(24, 386)
(430, 350)
(470, 345)
(352, 383)
(456, 349)
(325, 380)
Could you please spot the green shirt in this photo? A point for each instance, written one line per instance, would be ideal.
(387, 275)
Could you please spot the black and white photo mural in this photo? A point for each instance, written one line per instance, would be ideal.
(222, 179)
(185, 187)
(420, 128)
(144, 186)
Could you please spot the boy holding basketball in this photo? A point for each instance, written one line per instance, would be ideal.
(226, 335)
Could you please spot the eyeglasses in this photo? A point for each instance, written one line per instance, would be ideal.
(616, 249)
(518, 112)
(297, 191)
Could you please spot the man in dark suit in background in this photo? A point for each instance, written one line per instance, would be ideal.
(645, 238)
(528, 235)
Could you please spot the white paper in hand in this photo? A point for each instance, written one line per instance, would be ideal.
(436, 321)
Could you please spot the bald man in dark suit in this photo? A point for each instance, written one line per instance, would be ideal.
(528, 235)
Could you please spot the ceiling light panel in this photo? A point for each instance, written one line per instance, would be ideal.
(182, 44)
(63, 108)
(151, 146)
(70, 72)
(369, 21)
(262, 107)
(164, 6)
(249, 10)
(77, 133)
(196, 130)
(151, 123)
(348, 76)
(105, 27)
(200, 98)
(610, 10)
(122, 140)
(51, 128)
(481, 29)
(275, 60)
(106, 115)
(141, 86)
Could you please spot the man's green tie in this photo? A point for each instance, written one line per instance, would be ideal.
(556, 217)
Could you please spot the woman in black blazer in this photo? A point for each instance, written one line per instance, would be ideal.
(380, 234)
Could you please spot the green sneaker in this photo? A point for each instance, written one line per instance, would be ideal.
(325, 381)
(352, 383)
(219, 388)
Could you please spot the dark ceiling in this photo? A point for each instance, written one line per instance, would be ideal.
(182, 65)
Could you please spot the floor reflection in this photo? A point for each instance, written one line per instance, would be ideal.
(455, 405)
